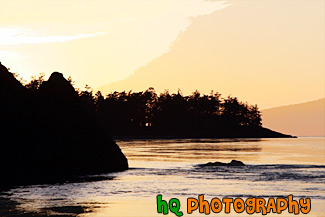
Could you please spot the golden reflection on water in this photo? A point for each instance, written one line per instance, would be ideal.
(305, 150)
(264, 151)
(169, 167)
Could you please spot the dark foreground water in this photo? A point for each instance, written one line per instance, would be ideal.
(275, 168)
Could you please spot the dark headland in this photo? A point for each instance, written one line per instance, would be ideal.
(50, 131)
(47, 135)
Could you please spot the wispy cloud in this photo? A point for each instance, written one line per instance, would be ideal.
(128, 31)
(17, 36)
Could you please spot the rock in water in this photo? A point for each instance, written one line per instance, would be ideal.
(50, 134)
(233, 163)
(236, 163)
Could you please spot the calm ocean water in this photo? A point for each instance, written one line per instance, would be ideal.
(275, 168)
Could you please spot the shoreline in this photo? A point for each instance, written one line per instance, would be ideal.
(134, 138)
(244, 133)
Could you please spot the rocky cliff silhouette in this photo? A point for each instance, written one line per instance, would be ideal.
(47, 135)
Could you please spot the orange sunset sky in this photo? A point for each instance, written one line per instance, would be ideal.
(266, 52)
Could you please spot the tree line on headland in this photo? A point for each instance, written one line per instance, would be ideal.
(168, 115)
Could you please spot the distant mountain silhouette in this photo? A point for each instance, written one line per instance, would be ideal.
(245, 50)
(47, 134)
(304, 119)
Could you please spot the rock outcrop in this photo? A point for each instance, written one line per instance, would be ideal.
(233, 163)
(47, 135)
(9, 85)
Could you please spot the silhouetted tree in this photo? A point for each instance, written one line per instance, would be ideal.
(35, 82)
(138, 113)
(254, 116)
(87, 99)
